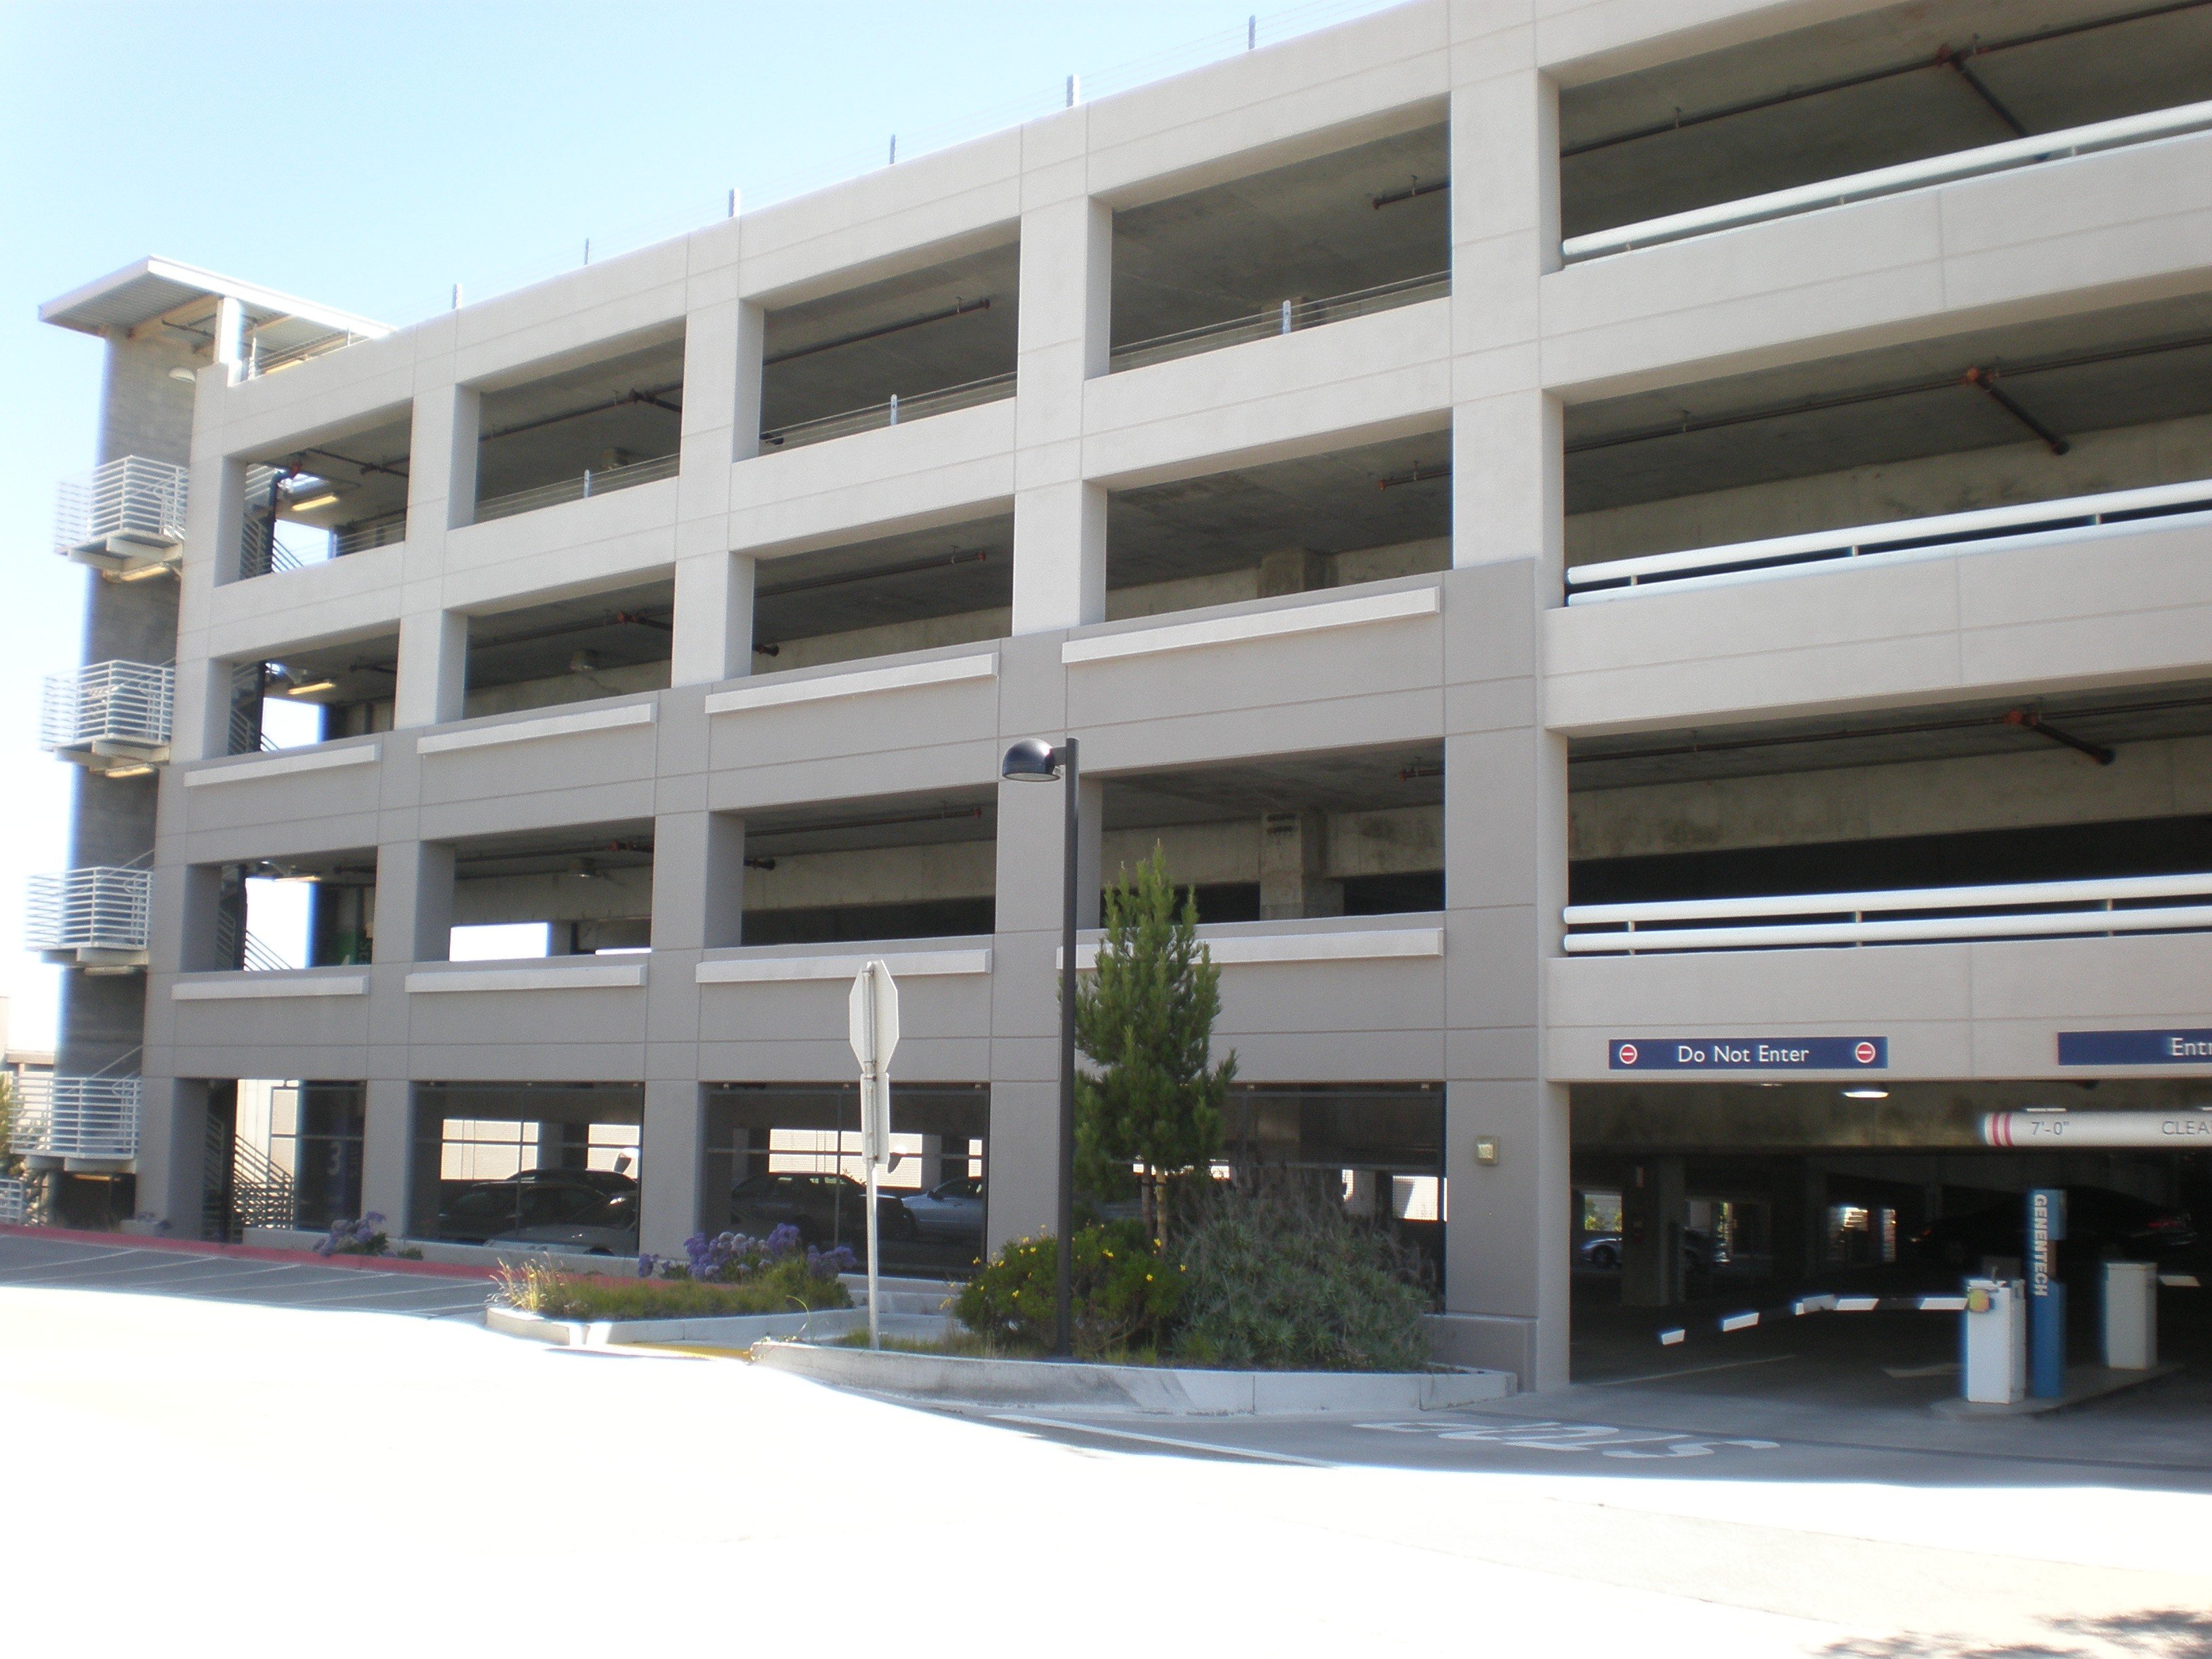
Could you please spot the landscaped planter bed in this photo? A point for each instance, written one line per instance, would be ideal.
(1173, 1391)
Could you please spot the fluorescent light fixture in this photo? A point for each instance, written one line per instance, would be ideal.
(2044, 1111)
(142, 770)
(143, 572)
(1866, 1094)
(313, 502)
(188, 376)
(311, 687)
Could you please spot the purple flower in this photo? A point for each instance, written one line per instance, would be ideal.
(647, 1262)
(784, 1241)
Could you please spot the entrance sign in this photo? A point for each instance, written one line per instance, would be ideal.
(2046, 1296)
(2184, 1129)
(2159, 1047)
(872, 1026)
(1748, 1055)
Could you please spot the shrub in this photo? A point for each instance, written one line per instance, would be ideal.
(1122, 1294)
(1277, 1278)
(1146, 1016)
(790, 1284)
(737, 1258)
(349, 1237)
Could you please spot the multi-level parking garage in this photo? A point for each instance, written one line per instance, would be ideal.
(1645, 565)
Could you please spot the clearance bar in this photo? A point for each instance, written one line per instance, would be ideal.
(2185, 1129)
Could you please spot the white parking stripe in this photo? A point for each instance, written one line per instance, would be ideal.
(1688, 1371)
(66, 1261)
(1161, 1440)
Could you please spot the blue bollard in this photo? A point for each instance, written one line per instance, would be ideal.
(2046, 1296)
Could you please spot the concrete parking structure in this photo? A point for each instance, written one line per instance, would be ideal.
(1599, 538)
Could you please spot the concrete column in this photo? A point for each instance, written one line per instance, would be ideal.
(929, 1162)
(1292, 570)
(171, 1144)
(1022, 1147)
(1652, 1220)
(414, 900)
(714, 627)
(1293, 857)
(1798, 1232)
(671, 1162)
(388, 1151)
(1060, 522)
(228, 346)
(698, 880)
(714, 633)
(434, 665)
(746, 369)
(1507, 1269)
(441, 465)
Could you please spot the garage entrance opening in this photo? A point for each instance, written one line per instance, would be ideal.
(1697, 1203)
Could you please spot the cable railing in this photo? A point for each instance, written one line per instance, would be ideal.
(1913, 915)
(259, 362)
(1290, 317)
(100, 909)
(359, 538)
(2073, 517)
(1893, 181)
(261, 1191)
(126, 704)
(131, 497)
(77, 1117)
(260, 959)
(890, 412)
(595, 480)
(244, 951)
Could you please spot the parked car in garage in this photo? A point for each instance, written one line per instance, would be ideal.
(591, 1210)
(825, 1208)
(1603, 1250)
(2101, 1223)
(951, 1210)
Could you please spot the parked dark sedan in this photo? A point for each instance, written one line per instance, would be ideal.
(826, 1209)
(2099, 1224)
(569, 1200)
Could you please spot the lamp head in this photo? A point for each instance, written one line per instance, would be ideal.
(1031, 761)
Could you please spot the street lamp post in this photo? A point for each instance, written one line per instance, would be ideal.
(1034, 761)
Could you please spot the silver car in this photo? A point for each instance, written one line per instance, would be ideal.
(951, 1210)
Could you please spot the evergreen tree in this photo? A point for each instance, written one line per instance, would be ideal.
(1146, 1018)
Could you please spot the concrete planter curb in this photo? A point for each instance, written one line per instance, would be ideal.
(483, 1256)
(1155, 1390)
(732, 1331)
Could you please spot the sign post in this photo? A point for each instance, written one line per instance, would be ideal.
(2046, 1296)
(873, 1025)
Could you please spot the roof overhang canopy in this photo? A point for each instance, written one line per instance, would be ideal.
(154, 289)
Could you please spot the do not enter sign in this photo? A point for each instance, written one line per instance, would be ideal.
(1747, 1055)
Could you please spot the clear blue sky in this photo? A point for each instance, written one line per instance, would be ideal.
(369, 155)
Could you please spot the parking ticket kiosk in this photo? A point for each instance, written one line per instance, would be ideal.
(1993, 1341)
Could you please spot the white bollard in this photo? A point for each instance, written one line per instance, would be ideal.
(2130, 1315)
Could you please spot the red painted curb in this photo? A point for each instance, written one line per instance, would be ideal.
(249, 1252)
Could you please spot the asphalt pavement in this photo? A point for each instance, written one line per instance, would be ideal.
(76, 1263)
